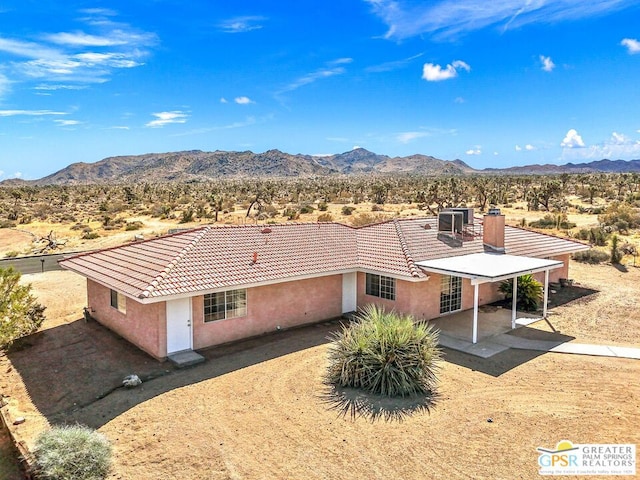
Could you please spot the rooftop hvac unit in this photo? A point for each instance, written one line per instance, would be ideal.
(494, 211)
(451, 222)
(467, 214)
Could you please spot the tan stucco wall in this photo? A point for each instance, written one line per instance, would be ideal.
(142, 325)
(286, 305)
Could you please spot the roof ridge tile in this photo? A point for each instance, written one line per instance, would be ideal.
(155, 283)
(413, 269)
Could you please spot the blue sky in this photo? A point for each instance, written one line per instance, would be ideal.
(494, 83)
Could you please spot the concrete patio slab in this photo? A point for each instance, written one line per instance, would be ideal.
(512, 341)
(483, 349)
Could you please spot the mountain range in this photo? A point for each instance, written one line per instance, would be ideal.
(196, 165)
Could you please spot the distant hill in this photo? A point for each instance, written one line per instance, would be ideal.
(196, 165)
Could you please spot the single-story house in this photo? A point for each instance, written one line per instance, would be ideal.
(214, 285)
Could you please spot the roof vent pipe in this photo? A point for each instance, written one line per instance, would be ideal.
(255, 257)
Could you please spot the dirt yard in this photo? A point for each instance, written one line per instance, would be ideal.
(257, 409)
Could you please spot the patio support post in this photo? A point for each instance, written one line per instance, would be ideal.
(546, 294)
(514, 302)
(475, 313)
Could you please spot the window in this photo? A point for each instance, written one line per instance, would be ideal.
(221, 305)
(381, 286)
(119, 301)
(450, 294)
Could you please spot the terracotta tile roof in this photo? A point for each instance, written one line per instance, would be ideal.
(211, 258)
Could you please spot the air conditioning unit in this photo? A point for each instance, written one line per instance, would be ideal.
(467, 214)
(450, 222)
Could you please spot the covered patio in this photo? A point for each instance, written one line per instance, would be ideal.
(482, 268)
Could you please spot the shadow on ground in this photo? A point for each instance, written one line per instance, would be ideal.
(509, 359)
(356, 403)
(566, 295)
(73, 373)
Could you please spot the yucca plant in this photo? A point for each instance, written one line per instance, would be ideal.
(529, 292)
(72, 453)
(385, 353)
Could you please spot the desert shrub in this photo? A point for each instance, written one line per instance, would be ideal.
(72, 453)
(385, 353)
(615, 254)
(529, 292)
(367, 219)
(79, 226)
(20, 313)
(90, 235)
(7, 224)
(591, 256)
(348, 210)
(187, 215)
(377, 208)
(621, 216)
(130, 226)
(322, 206)
(553, 221)
(595, 236)
(325, 217)
(11, 254)
(307, 209)
(291, 214)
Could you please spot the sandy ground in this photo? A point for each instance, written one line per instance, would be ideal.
(257, 409)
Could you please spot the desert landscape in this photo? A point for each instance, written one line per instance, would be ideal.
(256, 409)
(259, 408)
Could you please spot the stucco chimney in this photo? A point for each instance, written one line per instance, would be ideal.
(493, 230)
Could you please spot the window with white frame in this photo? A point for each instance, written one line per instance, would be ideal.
(222, 305)
(381, 286)
(450, 294)
(119, 301)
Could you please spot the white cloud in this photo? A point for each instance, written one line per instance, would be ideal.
(241, 24)
(332, 68)
(633, 45)
(393, 65)
(356, 147)
(77, 57)
(243, 100)
(223, 100)
(529, 147)
(547, 63)
(47, 87)
(166, 118)
(67, 123)
(619, 146)
(620, 139)
(459, 100)
(518, 148)
(118, 127)
(30, 113)
(477, 150)
(406, 137)
(17, 175)
(496, 153)
(448, 19)
(572, 140)
(435, 73)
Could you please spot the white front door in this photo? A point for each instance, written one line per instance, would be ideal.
(349, 292)
(178, 325)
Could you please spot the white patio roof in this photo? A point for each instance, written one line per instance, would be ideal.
(488, 267)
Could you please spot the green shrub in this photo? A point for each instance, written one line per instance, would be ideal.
(529, 293)
(307, 209)
(20, 314)
(72, 453)
(591, 256)
(553, 221)
(137, 225)
(90, 235)
(385, 353)
(323, 207)
(347, 210)
(11, 254)
(615, 253)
